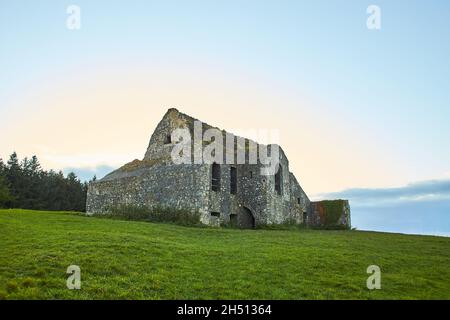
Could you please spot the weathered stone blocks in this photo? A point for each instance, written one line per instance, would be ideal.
(155, 182)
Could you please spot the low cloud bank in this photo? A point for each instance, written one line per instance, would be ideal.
(419, 191)
(420, 207)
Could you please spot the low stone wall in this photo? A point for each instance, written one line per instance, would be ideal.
(179, 187)
(155, 181)
(330, 213)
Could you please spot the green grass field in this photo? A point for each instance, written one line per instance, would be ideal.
(141, 260)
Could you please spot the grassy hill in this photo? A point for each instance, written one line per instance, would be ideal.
(140, 260)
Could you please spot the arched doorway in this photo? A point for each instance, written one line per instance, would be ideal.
(246, 219)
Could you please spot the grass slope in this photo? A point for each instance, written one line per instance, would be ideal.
(124, 259)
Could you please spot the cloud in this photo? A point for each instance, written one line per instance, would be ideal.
(431, 190)
(87, 173)
(415, 217)
(420, 207)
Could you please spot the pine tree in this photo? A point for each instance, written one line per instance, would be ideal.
(13, 175)
(26, 185)
(5, 195)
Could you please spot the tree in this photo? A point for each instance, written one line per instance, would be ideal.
(5, 195)
(30, 187)
(13, 175)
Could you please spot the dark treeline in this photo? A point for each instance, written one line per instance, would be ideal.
(24, 184)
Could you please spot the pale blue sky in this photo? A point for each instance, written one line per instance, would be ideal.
(386, 93)
(393, 83)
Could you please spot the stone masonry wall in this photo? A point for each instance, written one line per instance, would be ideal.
(171, 186)
(155, 181)
(330, 213)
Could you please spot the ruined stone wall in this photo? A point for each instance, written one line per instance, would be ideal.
(155, 181)
(158, 147)
(256, 192)
(330, 213)
(251, 195)
(279, 205)
(300, 203)
(252, 191)
(172, 186)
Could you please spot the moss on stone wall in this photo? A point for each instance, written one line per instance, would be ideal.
(139, 164)
(333, 210)
(331, 213)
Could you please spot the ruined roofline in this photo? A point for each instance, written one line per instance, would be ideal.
(208, 126)
(292, 176)
(135, 167)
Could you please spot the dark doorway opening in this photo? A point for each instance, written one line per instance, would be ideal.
(233, 220)
(246, 219)
(305, 217)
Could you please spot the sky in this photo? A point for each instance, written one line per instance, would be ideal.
(361, 113)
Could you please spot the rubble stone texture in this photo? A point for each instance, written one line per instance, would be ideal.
(155, 182)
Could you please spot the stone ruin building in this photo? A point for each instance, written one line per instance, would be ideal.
(234, 194)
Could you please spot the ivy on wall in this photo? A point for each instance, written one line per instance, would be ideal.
(330, 211)
(333, 210)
